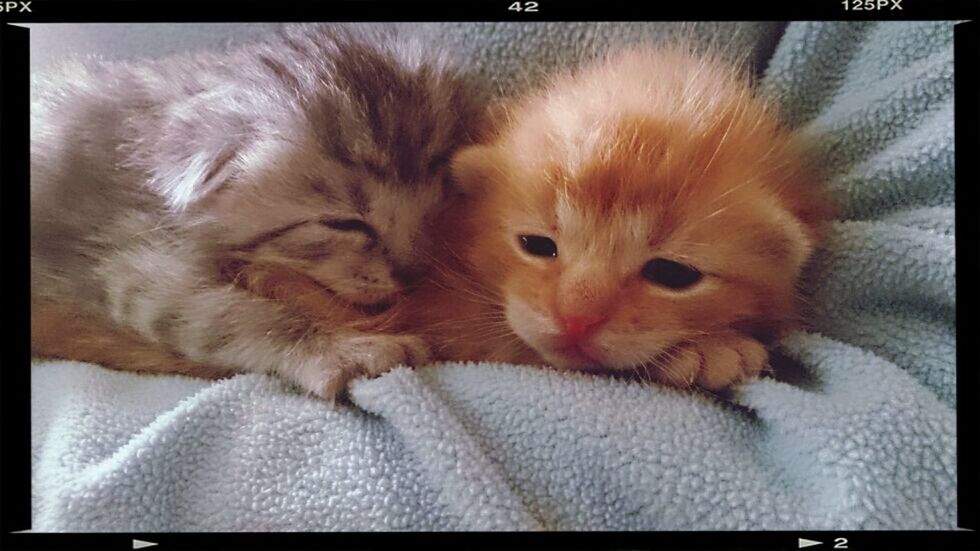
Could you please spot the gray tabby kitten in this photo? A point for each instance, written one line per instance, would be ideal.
(323, 150)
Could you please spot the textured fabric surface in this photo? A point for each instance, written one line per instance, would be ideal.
(51, 42)
(514, 56)
(859, 434)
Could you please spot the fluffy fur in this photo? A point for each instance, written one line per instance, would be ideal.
(650, 158)
(323, 151)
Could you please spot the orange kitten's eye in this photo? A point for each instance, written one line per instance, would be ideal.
(538, 245)
(670, 274)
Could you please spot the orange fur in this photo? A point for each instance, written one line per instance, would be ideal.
(60, 331)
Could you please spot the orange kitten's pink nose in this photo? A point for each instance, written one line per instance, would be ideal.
(578, 328)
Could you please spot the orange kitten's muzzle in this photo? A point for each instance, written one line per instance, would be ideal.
(579, 328)
(575, 341)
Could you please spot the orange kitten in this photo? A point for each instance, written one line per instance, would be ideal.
(646, 214)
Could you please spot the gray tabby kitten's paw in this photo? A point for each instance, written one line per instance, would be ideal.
(365, 355)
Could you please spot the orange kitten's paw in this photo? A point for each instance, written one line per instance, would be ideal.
(369, 355)
(714, 363)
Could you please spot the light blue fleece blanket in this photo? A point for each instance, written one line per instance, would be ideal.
(862, 436)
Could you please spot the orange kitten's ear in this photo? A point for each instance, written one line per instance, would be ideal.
(473, 169)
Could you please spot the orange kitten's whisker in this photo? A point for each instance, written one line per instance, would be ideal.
(477, 332)
(664, 369)
(490, 315)
(512, 343)
(466, 286)
(464, 282)
(474, 331)
(665, 363)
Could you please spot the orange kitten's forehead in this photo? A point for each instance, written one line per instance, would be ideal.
(642, 183)
(585, 233)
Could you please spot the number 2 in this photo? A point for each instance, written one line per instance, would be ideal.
(840, 543)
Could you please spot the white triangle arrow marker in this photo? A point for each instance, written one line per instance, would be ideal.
(808, 543)
(140, 544)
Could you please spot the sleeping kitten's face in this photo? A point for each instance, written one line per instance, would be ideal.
(342, 184)
(632, 208)
(361, 234)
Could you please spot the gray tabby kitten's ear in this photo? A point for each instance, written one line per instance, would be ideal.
(195, 150)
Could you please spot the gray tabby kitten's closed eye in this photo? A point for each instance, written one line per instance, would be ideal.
(322, 149)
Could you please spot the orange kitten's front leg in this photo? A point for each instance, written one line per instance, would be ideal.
(63, 331)
(711, 363)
